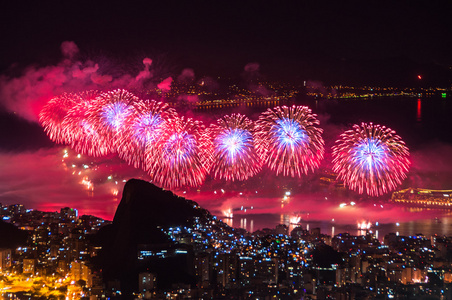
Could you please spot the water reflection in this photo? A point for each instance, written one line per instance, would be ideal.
(441, 225)
(419, 110)
(228, 221)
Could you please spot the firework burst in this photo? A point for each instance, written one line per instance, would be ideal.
(81, 134)
(182, 156)
(108, 114)
(235, 157)
(289, 140)
(54, 112)
(371, 158)
(145, 124)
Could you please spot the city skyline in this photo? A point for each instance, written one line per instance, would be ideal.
(64, 255)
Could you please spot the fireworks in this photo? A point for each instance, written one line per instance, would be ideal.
(81, 134)
(371, 158)
(143, 128)
(178, 151)
(108, 114)
(52, 115)
(234, 151)
(289, 140)
(182, 156)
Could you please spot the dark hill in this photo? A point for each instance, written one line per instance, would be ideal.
(141, 215)
(149, 204)
(11, 236)
(324, 256)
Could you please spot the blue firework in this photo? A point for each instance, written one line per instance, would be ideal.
(143, 127)
(234, 153)
(289, 140)
(370, 158)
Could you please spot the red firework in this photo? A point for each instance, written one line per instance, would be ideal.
(234, 153)
(182, 156)
(144, 126)
(108, 114)
(53, 113)
(371, 158)
(289, 140)
(81, 134)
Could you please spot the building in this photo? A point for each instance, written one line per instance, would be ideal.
(5, 259)
(29, 266)
(79, 271)
(146, 282)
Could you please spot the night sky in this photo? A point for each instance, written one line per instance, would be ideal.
(44, 43)
(356, 42)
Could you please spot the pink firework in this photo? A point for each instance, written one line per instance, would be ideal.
(108, 114)
(235, 157)
(370, 158)
(81, 134)
(289, 140)
(53, 113)
(145, 124)
(182, 156)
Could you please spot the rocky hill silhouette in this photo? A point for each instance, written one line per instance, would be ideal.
(11, 236)
(142, 213)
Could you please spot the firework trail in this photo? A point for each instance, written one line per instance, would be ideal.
(370, 158)
(182, 156)
(107, 116)
(144, 125)
(235, 157)
(289, 140)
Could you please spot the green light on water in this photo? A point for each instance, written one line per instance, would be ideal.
(444, 95)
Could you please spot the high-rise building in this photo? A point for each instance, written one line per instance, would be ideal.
(5, 259)
(227, 269)
(146, 282)
(79, 271)
(69, 213)
(29, 266)
(202, 268)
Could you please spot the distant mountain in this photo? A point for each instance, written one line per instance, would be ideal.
(142, 213)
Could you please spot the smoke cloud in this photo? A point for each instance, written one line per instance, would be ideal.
(251, 72)
(187, 76)
(145, 74)
(431, 167)
(29, 178)
(252, 68)
(165, 85)
(69, 49)
(26, 94)
(188, 98)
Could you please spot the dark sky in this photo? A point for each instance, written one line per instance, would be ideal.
(331, 41)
